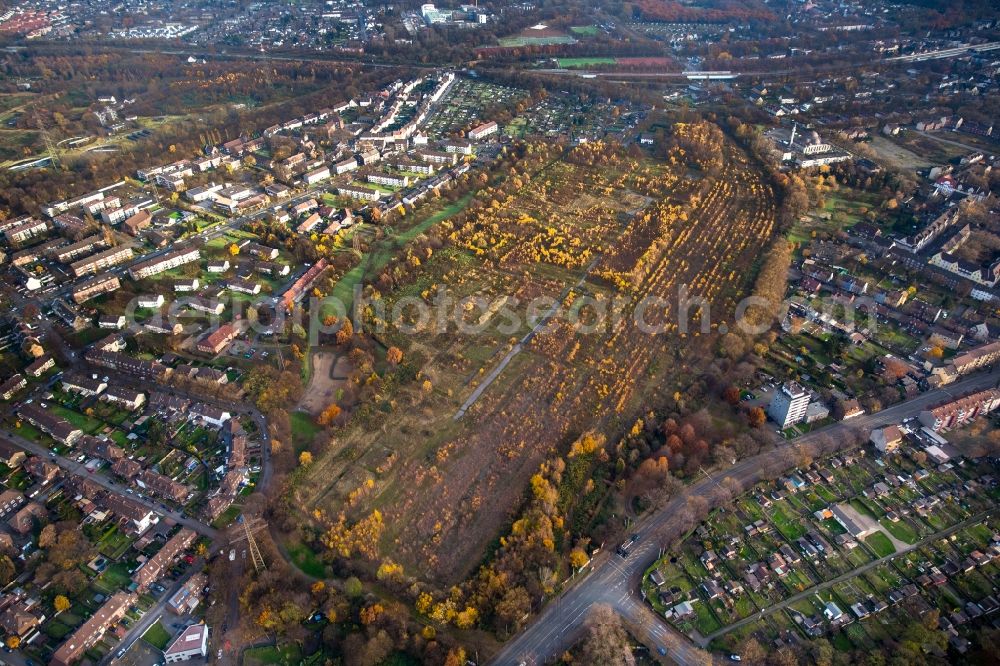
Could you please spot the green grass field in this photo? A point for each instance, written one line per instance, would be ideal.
(585, 30)
(306, 560)
(157, 636)
(304, 428)
(259, 656)
(880, 543)
(901, 530)
(512, 42)
(571, 63)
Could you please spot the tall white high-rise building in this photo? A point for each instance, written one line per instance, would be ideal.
(788, 406)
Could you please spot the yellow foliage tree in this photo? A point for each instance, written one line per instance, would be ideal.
(578, 558)
(424, 603)
(305, 458)
(61, 603)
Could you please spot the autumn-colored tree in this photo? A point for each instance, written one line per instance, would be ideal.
(731, 395)
(456, 657)
(317, 588)
(13, 642)
(394, 356)
(371, 614)
(756, 417)
(329, 415)
(578, 558)
(427, 386)
(424, 603)
(467, 618)
(234, 250)
(345, 333)
(61, 603)
(305, 458)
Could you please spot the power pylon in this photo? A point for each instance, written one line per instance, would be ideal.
(249, 527)
(50, 145)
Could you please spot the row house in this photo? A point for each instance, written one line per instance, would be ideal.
(243, 286)
(165, 262)
(133, 517)
(41, 470)
(482, 131)
(359, 192)
(304, 207)
(86, 386)
(272, 269)
(316, 175)
(128, 398)
(70, 253)
(960, 411)
(112, 323)
(91, 631)
(10, 455)
(10, 500)
(25, 231)
(437, 157)
(102, 284)
(12, 385)
(56, 427)
(127, 469)
(206, 305)
(300, 286)
(163, 486)
(259, 251)
(27, 518)
(309, 224)
(388, 179)
(350, 164)
(156, 567)
(979, 357)
(210, 415)
(127, 364)
(101, 448)
(40, 366)
(101, 261)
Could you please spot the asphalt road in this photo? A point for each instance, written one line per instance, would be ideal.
(613, 581)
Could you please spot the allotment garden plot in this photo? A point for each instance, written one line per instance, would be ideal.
(592, 224)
